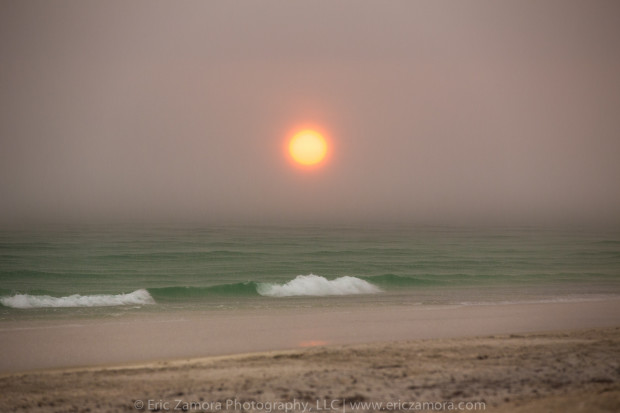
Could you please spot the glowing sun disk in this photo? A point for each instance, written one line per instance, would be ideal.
(307, 147)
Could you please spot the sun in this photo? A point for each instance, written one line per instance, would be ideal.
(308, 147)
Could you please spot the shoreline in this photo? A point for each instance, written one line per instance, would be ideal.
(38, 345)
(570, 370)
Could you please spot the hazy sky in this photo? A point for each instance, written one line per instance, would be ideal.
(456, 112)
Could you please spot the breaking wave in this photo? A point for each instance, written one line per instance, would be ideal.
(138, 297)
(314, 285)
(302, 285)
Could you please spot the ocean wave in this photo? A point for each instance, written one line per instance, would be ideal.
(302, 285)
(137, 297)
(399, 281)
(314, 285)
(177, 293)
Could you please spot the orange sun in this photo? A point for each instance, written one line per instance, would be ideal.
(307, 147)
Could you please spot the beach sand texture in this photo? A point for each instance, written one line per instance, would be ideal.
(570, 371)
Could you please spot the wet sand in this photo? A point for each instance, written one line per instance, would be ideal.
(154, 337)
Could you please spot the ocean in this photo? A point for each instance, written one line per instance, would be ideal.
(96, 272)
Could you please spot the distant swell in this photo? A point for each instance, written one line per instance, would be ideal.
(100, 300)
(314, 285)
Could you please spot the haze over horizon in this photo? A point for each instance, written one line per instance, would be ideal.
(460, 113)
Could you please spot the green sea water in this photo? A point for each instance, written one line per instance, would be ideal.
(97, 271)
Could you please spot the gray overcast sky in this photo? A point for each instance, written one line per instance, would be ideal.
(456, 112)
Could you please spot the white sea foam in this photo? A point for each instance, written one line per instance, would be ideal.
(100, 300)
(317, 286)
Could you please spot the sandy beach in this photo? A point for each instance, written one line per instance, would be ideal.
(520, 357)
(570, 371)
